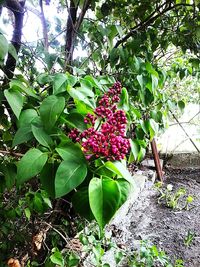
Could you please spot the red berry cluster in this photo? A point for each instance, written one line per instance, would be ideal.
(109, 140)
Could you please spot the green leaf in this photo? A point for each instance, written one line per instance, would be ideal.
(12, 51)
(69, 175)
(10, 172)
(57, 258)
(73, 260)
(47, 178)
(79, 95)
(18, 85)
(120, 169)
(104, 199)
(135, 148)
(30, 165)
(44, 78)
(82, 108)
(71, 152)
(38, 203)
(80, 201)
(141, 153)
(154, 127)
(40, 135)
(27, 213)
(181, 105)
(59, 83)
(76, 120)
(22, 135)
(50, 110)
(124, 100)
(26, 117)
(154, 82)
(15, 100)
(156, 115)
(3, 47)
(140, 80)
(125, 188)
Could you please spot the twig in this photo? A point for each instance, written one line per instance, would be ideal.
(57, 231)
(11, 153)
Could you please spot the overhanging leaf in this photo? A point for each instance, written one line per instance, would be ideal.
(15, 100)
(26, 117)
(3, 47)
(47, 178)
(30, 165)
(60, 83)
(40, 134)
(69, 175)
(22, 87)
(125, 188)
(71, 152)
(80, 201)
(120, 169)
(50, 110)
(104, 199)
(22, 135)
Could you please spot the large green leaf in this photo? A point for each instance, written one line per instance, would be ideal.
(3, 47)
(26, 117)
(15, 100)
(12, 51)
(50, 110)
(76, 120)
(60, 83)
(104, 199)
(69, 175)
(80, 95)
(40, 134)
(10, 172)
(22, 87)
(22, 135)
(120, 169)
(124, 100)
(80, 201)
(71, 152)
(47, 178)
(125, 188)
(135, 148)
(30, 165)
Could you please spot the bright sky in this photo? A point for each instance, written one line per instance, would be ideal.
(32, 30)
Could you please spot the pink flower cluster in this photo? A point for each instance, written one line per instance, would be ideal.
(108, 139)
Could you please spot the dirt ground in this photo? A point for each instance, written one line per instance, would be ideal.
(165, 227)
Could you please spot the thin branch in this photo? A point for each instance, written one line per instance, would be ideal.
(82, 14)
(44, 26)
(57, 231)
(11, 153)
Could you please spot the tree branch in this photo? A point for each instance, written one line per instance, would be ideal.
(11, 153)
(149, 20)
(69, 46)
(18, 10)
(82, 14)
(44, 26)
